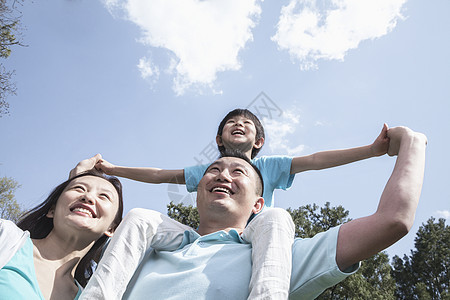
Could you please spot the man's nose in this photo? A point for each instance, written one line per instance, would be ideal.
(224, 175)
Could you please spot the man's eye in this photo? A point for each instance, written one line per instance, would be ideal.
(239, 171)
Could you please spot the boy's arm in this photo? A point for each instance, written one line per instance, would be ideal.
(334, 158)
(364, 237)
(149, 175)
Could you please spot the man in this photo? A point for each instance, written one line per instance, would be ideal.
(213, 262)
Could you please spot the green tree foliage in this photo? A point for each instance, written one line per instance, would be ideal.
(187, 215)
(372, 281)
(9, 208)
(9, 31)
(425, 273)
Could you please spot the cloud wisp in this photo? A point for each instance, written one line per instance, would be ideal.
(443, 214)
(203, 37)
(312, 30)
(278, 131)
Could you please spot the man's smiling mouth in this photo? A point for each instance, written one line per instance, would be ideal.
(219, 189)
(238, 131)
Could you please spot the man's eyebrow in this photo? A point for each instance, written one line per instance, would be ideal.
(241, 165)
(215, 163)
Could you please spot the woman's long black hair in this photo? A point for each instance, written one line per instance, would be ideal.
(39, 225)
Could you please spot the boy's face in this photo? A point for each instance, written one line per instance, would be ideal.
(239, 133)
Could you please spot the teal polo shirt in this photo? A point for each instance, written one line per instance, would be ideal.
(218, 266)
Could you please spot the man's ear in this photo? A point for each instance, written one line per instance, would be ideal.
(219, 140)
(258, 143)
(259, 205)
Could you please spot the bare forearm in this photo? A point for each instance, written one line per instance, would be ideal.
(328, 159)
(401, 194)
(149, 175)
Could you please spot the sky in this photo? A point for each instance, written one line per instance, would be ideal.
(146, 83)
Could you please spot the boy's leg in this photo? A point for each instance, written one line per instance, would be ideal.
(139, 230)
(271, 234)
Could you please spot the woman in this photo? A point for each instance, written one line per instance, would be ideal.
(49, 254)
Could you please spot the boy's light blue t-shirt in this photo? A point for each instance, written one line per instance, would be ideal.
(219, 265)
(275, 171)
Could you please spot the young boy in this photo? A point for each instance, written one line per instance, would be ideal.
(271, 232)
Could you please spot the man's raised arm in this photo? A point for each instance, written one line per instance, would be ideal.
(361, 238)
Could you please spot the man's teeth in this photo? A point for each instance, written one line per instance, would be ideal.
(83, 210)
(237, 132)
(220, 189)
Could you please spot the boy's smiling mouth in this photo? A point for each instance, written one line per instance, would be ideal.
(237, 131)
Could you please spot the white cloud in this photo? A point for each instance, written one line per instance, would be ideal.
(205, 37)
(443, 214)
(311, 30)
(278, 131)
(148, 69)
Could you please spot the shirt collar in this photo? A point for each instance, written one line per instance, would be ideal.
(190, 236)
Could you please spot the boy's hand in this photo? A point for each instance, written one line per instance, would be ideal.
(85, 165)
(105, 166)
(381, 144)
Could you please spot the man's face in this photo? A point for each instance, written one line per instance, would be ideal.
(229, 185)
(239, 132)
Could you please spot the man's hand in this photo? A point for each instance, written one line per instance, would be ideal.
(85, 165)
(396, 135)
(381, 144)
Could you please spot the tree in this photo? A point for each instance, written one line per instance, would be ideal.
(425, 273)
(187, 215)
(9, 30)
(9, 208)
(372, 281)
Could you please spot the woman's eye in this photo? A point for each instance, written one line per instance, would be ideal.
(105, 196)
(79, 188)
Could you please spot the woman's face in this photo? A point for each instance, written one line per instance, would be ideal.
(87, 204)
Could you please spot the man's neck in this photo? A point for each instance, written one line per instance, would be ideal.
(212, 225)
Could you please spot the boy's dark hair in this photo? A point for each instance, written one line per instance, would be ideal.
(238, 154)
(39, 225)
(247, 114)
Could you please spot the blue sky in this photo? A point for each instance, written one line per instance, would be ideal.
(145, 83)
